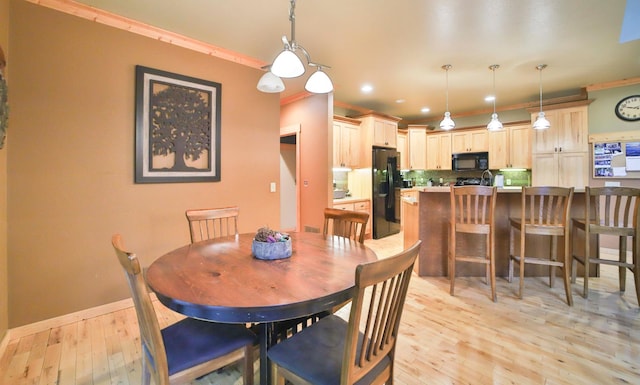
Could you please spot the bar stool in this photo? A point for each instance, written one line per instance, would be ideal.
(472, 212)
(611, 211)
(544, 211)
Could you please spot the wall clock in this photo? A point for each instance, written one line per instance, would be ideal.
(628, 108)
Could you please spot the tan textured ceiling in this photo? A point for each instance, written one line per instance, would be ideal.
(399, 46)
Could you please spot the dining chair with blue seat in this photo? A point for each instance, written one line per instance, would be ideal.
(360, 350)
(187, 349)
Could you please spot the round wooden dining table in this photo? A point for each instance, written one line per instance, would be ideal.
(220, 280)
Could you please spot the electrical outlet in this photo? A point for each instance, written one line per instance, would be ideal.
(508, 182)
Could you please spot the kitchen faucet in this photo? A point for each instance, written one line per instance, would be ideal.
(490, 178)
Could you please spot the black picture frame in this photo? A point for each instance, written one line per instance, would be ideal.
(177, 128)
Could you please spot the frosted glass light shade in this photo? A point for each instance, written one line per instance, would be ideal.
(319, 83)
(494, 124)
(447, 123)
(270, 83)
(287, 65)
(541, 123)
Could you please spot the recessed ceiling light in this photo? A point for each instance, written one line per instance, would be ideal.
(490, 98)
(400, 101)
(366, 88)
(425, 110)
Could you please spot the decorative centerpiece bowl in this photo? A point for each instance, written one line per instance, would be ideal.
(269, 244)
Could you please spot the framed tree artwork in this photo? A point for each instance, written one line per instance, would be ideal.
(177, 128)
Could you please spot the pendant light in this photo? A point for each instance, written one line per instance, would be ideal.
(541, 123)
(289, 65)
(494, 124)
(447, 123)
(270, 83)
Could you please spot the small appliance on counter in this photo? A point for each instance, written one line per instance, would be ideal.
(407, 183)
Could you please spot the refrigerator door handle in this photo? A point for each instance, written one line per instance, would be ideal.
(390, 182)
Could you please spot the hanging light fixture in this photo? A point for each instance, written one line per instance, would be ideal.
(270, 83)
(447, 123)
(541, 123)
(494, 124)
(289, 65)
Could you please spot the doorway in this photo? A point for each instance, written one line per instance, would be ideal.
(289, 176)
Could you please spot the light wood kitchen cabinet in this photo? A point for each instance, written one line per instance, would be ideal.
(439, 151)
(560, 154)
(511, 147)
(417, 143)
(346, 142)
(385, 133)
(376, 130)
(470, 141)
(403, 149)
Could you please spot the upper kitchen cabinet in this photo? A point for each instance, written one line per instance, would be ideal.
(403, 150)
(470, 141)
(511, 147)
(417, 144)
(346, 142)
(439, 151)
(376, 130)
(560, 154)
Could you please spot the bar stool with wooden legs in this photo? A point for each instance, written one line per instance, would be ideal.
(611, 211)
(472, 212)
(544, 211)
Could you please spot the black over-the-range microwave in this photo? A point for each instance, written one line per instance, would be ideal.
(469, 161)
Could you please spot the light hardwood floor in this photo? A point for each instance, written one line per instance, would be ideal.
(466, 339)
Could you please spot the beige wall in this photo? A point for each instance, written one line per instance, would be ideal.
(4, 290)
(71, 160)
(315, 116)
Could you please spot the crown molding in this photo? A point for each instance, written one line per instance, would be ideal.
(116, 21)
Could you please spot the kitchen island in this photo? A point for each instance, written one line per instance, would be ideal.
(432, 213)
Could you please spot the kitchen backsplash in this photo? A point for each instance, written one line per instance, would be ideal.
(421, 177)
(358, 182)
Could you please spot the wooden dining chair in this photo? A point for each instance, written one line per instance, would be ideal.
(212, 223)
(187, 349)
(544, 211)
(345, 223)
(613, 211)
(360, 350)
(472, 212)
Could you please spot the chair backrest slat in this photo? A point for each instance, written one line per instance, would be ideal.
(613, 206)
(345, 223)
(380, 292)
(546, 206)
(212, 223)
(472, 205)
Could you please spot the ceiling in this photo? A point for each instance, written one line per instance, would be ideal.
(399, 47)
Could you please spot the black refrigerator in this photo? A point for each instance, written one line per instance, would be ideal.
(386, 192)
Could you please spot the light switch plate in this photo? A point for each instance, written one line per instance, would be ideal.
(272, 187)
